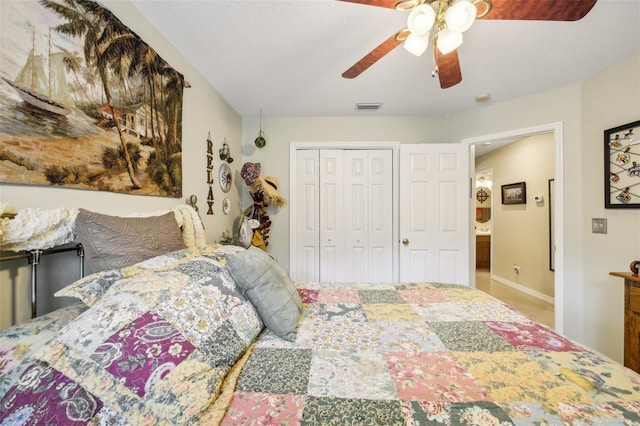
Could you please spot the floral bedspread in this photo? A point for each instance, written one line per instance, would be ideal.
(19, 341)
(387, 354)
(153, 349)
(426, 354)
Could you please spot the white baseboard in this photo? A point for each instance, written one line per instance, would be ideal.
(523, 289)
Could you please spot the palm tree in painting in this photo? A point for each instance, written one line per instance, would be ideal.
(100, 29)
(172, 94)
(73, 63)
(173, 103)
(163, 86)
(89, 76)
(145, 61)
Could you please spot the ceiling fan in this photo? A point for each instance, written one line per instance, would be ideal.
(448, 19)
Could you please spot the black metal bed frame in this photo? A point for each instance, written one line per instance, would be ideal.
(34, 257)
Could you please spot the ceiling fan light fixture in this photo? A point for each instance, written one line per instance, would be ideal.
(448, 40)
(421, 19)
(460, 16)
(416, 44)
(404, 5)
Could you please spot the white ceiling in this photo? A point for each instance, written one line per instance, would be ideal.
(286, 57)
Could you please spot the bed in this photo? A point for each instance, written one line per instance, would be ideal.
(220, 335)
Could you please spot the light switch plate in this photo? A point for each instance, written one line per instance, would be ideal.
(598, 225)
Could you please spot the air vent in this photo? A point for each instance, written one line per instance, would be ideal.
(368, 106)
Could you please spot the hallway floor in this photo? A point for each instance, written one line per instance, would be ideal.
(537, 309)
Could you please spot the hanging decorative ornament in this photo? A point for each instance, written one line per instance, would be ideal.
(225, 152)
(260, 140)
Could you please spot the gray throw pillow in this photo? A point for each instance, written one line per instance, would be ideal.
(113, 242)
(269, 288)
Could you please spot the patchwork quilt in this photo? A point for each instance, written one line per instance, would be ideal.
(426, 354)
(364, 354)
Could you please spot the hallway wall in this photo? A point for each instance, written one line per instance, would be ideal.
(520, 232)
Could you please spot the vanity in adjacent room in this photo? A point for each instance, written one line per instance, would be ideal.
(483, 224)
(483, 251)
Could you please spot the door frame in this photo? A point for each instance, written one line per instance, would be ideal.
(395, 162)
(556, 128)
(474, 190)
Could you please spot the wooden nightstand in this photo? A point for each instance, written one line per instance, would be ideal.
(631, 317)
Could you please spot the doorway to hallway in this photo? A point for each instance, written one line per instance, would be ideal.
(548, 299)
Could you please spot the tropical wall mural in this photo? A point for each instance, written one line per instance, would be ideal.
(85, 103)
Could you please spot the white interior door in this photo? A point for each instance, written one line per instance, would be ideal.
(434, 206)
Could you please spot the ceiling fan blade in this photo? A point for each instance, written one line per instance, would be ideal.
(390, 4)
(537, 10)
(448, 68)
(374, 56)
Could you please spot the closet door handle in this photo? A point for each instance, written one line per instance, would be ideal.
(405, 241)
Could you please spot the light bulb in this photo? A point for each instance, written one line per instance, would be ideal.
(421, 19)
(417, 44)
(460, 16)
(448, 40)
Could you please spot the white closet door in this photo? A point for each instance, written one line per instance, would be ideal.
(368, 216)
(380, 216)
(356, 215)
(331, 215)
(342, 217)
(305, 257)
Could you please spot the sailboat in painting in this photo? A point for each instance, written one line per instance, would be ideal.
(42, 88)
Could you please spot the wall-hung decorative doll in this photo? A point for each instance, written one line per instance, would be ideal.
(264, 192)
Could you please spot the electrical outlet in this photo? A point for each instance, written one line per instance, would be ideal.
(598, 225)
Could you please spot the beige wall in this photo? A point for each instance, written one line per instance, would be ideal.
(520, 232)
(609, 99)
(204, 111)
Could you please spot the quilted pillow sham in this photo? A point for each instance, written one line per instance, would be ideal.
(156, 347)
(112, 242)
(269, 288)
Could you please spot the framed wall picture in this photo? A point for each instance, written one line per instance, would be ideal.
(74, 119)
(622, 166)
(514, 193)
